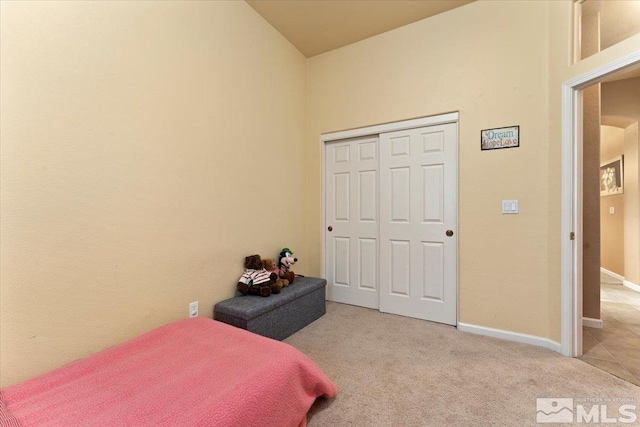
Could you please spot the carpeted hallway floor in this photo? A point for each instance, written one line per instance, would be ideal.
(396, 371)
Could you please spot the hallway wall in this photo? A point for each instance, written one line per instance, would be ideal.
(632, 205)
(621, 108)
(612, 224)
(591, 202)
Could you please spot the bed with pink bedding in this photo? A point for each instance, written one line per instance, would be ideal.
(194, 372)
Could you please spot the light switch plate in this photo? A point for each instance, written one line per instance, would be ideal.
(510, 207)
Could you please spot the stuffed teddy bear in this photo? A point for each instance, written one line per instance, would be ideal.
(270, 265)
(285, 261)
(256, 280)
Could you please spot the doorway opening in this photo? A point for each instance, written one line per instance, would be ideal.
(572, 242)
(611, 226)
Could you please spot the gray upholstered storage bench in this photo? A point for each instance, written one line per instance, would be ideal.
(278, 315)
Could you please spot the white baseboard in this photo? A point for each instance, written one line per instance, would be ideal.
(612, 274)
(631, 285)
(626, 283)
(511, 336)
(592, 323)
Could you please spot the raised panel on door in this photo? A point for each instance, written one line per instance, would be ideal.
(352, 179)
(341, 261)
(433, 271)
(418, 197)
(368, 197)
(342, 196)
(400, 194)
(433, 193)
(368, 253)
(400, 262)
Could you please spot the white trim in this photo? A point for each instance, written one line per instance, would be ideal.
(611, 273)
(571, 251)
(391, 127)
(597, 74)
(631, 285)
(510, 336)
(577, 31)
(592, 323)
(323, 213)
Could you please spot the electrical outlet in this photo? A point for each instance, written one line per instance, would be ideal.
(193, 309)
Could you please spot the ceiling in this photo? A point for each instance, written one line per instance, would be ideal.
(318, 26)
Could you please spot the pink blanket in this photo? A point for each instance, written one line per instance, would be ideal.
(194, 372)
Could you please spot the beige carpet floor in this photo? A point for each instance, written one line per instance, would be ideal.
(396, 371)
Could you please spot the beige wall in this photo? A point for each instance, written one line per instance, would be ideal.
(621, 102)
(609, 22)
(631, 204)
(147, 147)
(621, 108)
(591, 202)
(489, 61)
(590, 44)
(612, 224)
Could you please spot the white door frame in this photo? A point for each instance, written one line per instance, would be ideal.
(368, 131)
(571, 250)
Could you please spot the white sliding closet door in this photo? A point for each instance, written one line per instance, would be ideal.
(391, 218)
(418, 222)
(351, 237)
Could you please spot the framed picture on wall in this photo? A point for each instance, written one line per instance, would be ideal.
(611, 177)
